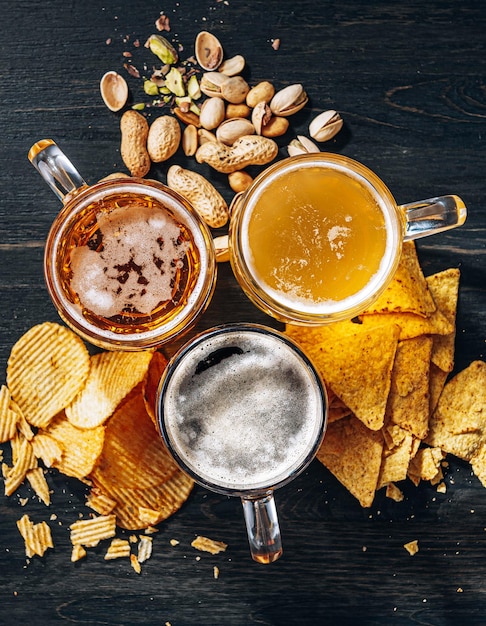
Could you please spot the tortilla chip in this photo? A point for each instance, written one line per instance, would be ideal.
(426, 464)
(353, 453)
(437, 381)
(395, 461)
(408, 291)
(394, 493)
(458, 424)
(357, 367)
(410, 324)
(408, 401)
(444, 287)
(478, 463)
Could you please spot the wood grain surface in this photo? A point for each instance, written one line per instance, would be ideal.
(409, 79)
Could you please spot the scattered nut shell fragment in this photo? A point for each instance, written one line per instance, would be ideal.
(208, 51)
(233, 66)
(326, 125)
(260, 116)
(301, 145)
(221, 247)
(114, 90)
(200, 193)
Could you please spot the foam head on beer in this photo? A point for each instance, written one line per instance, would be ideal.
(242, 409)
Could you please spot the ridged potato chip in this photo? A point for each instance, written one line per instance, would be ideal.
(37, 537)
(46, 369)
(89, 532)
(112, 376)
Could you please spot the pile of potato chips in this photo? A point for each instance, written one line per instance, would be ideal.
(392, 415)
(92, 418)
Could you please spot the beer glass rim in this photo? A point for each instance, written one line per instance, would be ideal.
(346, 309)
(178, 206)
(188, 347)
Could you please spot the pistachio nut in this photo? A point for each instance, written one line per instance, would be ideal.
(301, 145)
(150, 88)
(208, 51)
(162, 49)
(193, 89)
(211, 83)
(114, 90)
(233, 66)
(234, 89)
(288, 100)
(260, 116)
(325, 125)
(190, 140)
(231, 130)
(263, 92)
(175, 83)
(212, 113)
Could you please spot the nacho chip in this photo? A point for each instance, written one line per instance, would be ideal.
(112, 376)
(437, 381)
(426, 464)
(478, 463)
(395, 462)
(408, 401)
(353, 453)
(37, 537)
(357, 367)
(408, 291)
(411, 547)
(444, 287)
(410, 324)
(394, 493)
(81, 447)
(90, 532)
(458, 424)
(134, 455)
(46, 369)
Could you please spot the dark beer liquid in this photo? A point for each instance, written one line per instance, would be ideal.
(242, 410)
(129, 265)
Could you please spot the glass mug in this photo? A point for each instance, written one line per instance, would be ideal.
(317, 238)
(128, 263)
(243, 411)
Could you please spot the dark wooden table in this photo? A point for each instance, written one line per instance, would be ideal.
(409, 79)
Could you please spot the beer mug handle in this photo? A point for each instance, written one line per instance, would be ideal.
(262, 528)
(432, 216)
(55, 168)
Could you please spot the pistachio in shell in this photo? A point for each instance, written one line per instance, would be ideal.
(211, 84)
(325, 125)
(289, 100)
(234, 89)
(208, 51)
(114, 90)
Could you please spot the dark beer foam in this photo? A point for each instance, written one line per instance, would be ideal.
(136, 265)
(242, 411)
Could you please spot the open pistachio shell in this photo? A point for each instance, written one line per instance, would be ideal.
(114, 91)
(208, 51)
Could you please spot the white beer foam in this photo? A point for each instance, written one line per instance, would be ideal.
(134, 269)
(249, 419)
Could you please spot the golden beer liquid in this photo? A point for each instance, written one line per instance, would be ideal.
(86, 233)
(315, 235)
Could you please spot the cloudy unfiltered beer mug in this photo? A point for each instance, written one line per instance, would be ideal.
(128, 263)
(243, 411)
(317, 238)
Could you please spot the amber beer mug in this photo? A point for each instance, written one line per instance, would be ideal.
(243, 412)
(317, 238)
(128, 262)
